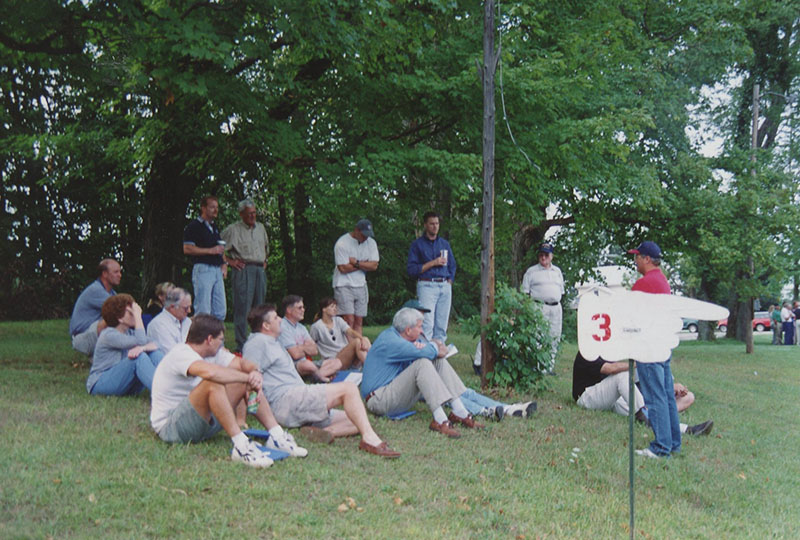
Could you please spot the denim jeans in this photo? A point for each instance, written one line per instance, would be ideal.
(129, 376)
(209, 290)
(435, 296)
(475, 402)
(658, 390)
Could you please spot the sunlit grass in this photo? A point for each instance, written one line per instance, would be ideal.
(73, 465)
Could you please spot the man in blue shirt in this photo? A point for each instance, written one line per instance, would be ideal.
(400, 369)
(202, 242)
(431, 262)
(86, 324)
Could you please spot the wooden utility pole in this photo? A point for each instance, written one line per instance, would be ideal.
(748, 315)
(487, 71)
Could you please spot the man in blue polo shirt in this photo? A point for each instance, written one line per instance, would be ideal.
(86, 324)
(432, 264)
(202, 242)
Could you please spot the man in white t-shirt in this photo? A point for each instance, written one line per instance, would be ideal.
(355, 253)
(196, 387)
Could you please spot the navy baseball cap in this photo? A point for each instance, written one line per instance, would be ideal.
(365, 226)
(648, 248)
(546, 248)
(414, 304)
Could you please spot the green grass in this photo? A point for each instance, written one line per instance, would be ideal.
(76, 466)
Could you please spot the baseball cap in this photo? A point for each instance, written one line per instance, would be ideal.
(647, 248)
(365, 226)
(546, 248)
(414, 304)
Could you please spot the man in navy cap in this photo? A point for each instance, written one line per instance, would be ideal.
(355, 253)
(545, 284)
(655, 379)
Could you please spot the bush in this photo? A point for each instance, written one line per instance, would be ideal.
(521, 338)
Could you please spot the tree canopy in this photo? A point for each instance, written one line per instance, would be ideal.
(118, 117)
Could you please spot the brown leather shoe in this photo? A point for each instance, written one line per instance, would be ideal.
(382, 449)
(468, 421)
(445, 428)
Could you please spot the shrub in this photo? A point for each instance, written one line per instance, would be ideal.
(521, 338)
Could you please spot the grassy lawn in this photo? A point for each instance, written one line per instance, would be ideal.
(79, 466)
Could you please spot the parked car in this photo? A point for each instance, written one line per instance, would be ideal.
(761, 322)
(690, 325)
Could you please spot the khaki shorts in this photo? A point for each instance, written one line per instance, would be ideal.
(185, 425)
(302, 405)
(352, 300)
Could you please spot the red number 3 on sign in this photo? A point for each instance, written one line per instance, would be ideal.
(604, 326)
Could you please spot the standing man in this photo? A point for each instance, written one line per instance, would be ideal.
(655, 378)
(400, 369)
(545, 284)
(86, 323)
(202, 242)
(247, 245)
(775, 321)
(355, 254)
(432, 264)
(171, 326)
(196, 388)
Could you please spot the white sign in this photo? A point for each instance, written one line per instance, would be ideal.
(622, 325)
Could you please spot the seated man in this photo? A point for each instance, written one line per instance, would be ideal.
(602, 385)
(298, 343)
(196, 387)
(171, 326)
(400, 369)
(295, 403)
(86, 323)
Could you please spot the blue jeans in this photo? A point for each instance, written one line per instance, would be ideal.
(788, 333)
(128, 376)
(435, 296)
(209, 290)
(475, 402)
(658, 390)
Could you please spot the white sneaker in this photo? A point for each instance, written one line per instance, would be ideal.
(252, 456)
(286, 444)
(646, 452)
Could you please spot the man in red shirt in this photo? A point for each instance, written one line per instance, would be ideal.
(655, 379)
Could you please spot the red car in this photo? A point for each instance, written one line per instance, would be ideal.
(761, 322)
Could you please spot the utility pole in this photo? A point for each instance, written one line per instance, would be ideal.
(487, 71)
(748, 331)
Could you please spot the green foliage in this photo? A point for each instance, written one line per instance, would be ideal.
(521, 338)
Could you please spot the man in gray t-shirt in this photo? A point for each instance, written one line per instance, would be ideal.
(295, 403)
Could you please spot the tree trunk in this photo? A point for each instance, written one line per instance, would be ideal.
(167, 195)
(302, 282)
(286, 242)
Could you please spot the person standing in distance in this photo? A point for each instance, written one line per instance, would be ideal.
(355, 253)
(545, 284)
(202, 242)
(432, 263)
(247, 248)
